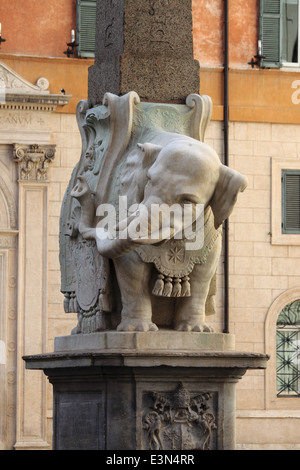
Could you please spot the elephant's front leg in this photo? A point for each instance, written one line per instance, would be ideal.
(133, 277)
(190, 311)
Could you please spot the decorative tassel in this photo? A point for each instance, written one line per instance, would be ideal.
(176, 292)
(168, 287)
(67, 302)
(186, 287)
(159, 285)
(71, 303)
(74, 304)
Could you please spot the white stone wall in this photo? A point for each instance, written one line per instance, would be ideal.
(264, 275)
(65, 135)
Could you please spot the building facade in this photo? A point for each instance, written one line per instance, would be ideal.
(42, 78)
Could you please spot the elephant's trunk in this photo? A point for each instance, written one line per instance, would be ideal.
(109, 248)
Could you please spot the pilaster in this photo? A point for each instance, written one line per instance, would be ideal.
(33, 167)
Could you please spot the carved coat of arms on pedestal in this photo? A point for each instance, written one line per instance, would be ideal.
(180, 420)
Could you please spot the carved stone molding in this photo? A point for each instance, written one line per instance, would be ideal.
(15, 89)
(33, 161)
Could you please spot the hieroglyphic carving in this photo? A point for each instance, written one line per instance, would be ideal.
(159, 19)
(111, 26)
(33, 161)
(180, 420)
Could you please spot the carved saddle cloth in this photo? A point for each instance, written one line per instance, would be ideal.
(174, 262)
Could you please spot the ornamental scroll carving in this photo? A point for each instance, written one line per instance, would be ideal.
(33, 161)
(180, 420)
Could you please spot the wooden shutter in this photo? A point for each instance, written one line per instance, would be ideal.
(290, 201)
(86, 27)
(270, 32)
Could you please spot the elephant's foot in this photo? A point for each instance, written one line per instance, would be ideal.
(187, 325)
(136, 324)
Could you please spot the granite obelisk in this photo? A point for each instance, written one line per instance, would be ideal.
(145, 46)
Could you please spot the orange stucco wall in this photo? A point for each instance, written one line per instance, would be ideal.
(42, 28)
(208, 21)
(37, 27)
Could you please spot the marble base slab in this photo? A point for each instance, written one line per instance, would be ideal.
(163, 340)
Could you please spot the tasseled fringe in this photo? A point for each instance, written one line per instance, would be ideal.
(172, 287)
(93, 323)
(67, 302)
(159, 285)
(176, 292)
(70, 303)
(186, 287)
(168, 287)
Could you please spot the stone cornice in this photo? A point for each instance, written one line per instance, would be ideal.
(26, 102)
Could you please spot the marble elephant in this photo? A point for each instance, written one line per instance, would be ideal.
(169, 169)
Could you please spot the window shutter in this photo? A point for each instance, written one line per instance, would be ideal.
(270, 32)
(86, 27)
(290, 201)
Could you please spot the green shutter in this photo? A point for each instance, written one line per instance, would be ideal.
(270, 32)
(290, 201)
(86, 27)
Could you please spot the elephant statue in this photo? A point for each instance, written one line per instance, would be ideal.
(144, 265)
(172, 169)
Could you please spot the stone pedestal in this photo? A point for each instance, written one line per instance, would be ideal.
(145, 391)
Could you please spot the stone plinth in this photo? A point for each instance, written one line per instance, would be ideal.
(116, 392)
(162, 340)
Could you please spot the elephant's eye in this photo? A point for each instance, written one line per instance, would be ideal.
(187, 198)
(187, 201)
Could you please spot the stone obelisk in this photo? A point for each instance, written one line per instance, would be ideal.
(145, 46)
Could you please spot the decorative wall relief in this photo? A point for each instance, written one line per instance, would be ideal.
(33, 161)
(180, 420)
(11, 83)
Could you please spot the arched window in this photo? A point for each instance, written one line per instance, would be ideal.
(288, 350)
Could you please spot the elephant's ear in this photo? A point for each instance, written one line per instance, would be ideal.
(230, 183)
(151, 151)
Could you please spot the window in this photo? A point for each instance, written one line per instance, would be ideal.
(86, 27)
(285, 202)
(288, 350)
(290, 181)
(279, 33)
